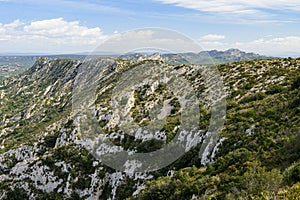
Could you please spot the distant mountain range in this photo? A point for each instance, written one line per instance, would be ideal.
(15, 64)
(230, 55)
(234, 55)
(203, 57)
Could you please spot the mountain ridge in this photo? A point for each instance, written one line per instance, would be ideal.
(15, 64)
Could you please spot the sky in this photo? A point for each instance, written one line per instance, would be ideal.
(268, 27)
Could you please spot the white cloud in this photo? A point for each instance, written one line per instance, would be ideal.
(149, 39)
(13, 24)
(281, 46)
(53, 35)
(210, 45)
(235, 6)
(212, 37)
(5, 28)
(61, 36)
(65, 32)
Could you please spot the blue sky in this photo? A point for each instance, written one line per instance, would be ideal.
(270, 27)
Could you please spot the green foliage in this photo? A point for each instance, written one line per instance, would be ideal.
(290, 151)
(248, 164)
(126, 189)
(182, 185)
(149, 146)
(80, 158)
(290, 193)
(259, 158)
(292, 173)
(296, 83)
(82, 183)
(50, 140)
(17, 194)
(257, 180)
(253, 97)
(274, 90)
(234, 160)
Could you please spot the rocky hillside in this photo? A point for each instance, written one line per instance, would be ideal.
(13, 65)
(43, 154)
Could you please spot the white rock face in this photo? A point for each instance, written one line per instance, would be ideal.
(65, 139)
(40, 176)
(114, 180)
(190, 139)
(140, 178)
(216, 148)
(131, 166)
(205, 155)
(145, 135)
(250, 130)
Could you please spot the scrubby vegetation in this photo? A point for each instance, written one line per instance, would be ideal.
(258, 158)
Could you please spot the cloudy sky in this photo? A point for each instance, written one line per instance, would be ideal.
(269, 27)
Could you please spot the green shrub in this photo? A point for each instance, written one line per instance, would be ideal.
(253, 97)
(290, 193)
(274, 90)
(257, 180)
(150, 145)
(292, 173)
(17, 194)
(296, 83)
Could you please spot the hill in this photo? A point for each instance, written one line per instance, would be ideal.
(43, 154)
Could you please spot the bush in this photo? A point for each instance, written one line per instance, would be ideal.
(296, 83)
(292, 174)
(257, 180)
(290, 192)
(253, 97)
(150, 145)
(274, 90)
(16, 194)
